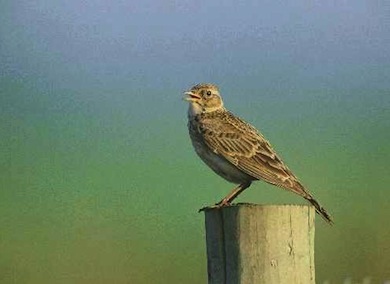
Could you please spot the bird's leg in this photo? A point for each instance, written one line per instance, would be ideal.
(233, 194)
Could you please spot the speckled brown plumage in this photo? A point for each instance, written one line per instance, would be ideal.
(234, 149)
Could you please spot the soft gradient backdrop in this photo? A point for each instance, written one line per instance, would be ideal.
(98, 180)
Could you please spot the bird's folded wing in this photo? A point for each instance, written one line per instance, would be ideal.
(241, 144)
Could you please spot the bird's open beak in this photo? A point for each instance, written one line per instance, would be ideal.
(191, 97)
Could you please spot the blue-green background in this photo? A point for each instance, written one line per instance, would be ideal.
(98, 179)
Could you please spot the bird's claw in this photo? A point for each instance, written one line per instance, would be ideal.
(222, 203)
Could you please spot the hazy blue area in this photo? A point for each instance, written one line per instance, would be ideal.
(98, 179)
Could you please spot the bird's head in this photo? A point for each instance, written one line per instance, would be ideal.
(204, 98)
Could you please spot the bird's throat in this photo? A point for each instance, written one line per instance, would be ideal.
(194, 109)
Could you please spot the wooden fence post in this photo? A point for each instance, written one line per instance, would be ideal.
(253, 244)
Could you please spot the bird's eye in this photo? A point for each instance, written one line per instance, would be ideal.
(208, 93)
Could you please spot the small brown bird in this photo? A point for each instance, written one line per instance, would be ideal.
(234, 149)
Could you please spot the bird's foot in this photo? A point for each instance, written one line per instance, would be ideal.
(218, 205)
(224, 202)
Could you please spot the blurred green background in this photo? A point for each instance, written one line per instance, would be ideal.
(99, 182)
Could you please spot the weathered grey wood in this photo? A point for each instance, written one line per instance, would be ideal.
(250, 244)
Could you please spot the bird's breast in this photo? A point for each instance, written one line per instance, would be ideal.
(213, 159)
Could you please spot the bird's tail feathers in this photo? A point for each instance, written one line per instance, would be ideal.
(302, 191)
(320, 210)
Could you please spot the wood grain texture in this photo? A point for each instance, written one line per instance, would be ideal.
(251, 244)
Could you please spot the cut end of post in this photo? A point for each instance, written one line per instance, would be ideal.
(252, 205)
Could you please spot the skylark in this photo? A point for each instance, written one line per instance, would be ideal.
(234, 149)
